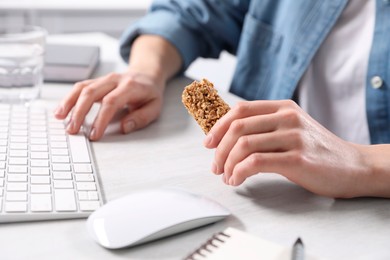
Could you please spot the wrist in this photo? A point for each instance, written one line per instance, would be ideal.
(154, 56)
(376, 180)
(147, 69)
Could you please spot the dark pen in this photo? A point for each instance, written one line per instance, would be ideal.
(298, 251)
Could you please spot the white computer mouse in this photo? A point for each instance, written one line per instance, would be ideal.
(151, 214)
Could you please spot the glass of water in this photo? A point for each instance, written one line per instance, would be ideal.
(21, 63)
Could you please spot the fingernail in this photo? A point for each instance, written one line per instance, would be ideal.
(225, 179)
(92, 135)
(208, 139)
(71, 125)
(232, 182)
(128, 126)
(214, 167)
(59, 110)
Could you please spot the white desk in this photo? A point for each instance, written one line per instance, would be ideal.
(170, 153)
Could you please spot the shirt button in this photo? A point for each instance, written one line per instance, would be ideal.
(376, 82)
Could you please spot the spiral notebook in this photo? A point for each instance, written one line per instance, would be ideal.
(235, 244)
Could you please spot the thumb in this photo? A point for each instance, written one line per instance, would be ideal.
(140, 117)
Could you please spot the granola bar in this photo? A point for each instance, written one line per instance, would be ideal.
(204, 104)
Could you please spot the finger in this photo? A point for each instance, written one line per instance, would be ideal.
(264, 162)
(63, 109)
(88, 96)
(239, 128)
(277, 142)
(141, 117)
(241, 110)
(111, 103)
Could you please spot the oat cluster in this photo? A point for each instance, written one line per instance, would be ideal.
(204, 104)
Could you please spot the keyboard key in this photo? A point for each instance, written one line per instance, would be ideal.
(58, 138)
(61, 167)
(39, 163)
(79, 149)
(3, 157)
(18, 139)
(19, 121)
(82, 168)
(56, 151)
(93, 195)
(83, 195)
(40, 188)
(39, 148)
(40, 179)
(41, 203)
(18, 146)
(15, 206)
(89, 205)
(18, 153)
(38, 134)
(37, 121)
(19, 126)
(62, 175)
(19, 133)
(15, 186)
(38, 141)
(56, 125)
(16, 196)
(65, 200)
(57, 132)
(39, 155)
(37, 113)
(87, 186)
(17, 177)
(18, 161)
(60, 159)
(84, 177)
(38, 128)
(58, 145)
(17, 169)
(40, 171)
(63, 184)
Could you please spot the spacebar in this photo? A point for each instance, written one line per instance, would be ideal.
(78, 148)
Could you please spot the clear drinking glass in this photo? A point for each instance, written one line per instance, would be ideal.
(21, 63)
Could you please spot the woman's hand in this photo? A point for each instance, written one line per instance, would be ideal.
(278, 136)
(139, 90)
(140, 94)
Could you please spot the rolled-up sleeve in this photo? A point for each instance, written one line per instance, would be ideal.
(197, 28)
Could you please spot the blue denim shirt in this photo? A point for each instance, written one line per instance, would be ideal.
(274, 41)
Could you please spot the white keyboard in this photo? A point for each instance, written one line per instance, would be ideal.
(44, 172)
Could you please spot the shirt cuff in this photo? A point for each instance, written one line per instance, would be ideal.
(167, 25)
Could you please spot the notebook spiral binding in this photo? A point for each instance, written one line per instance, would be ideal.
(208, 247)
